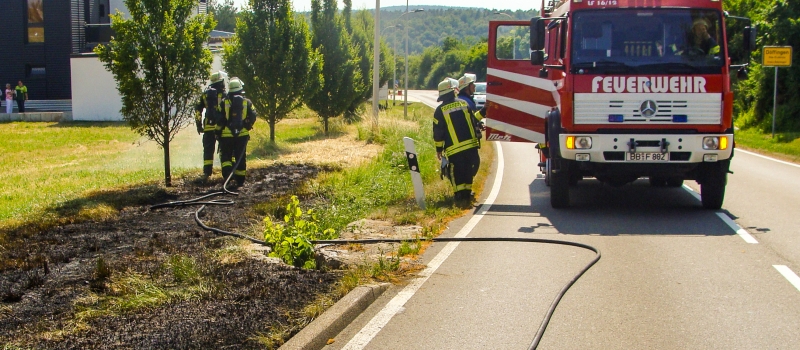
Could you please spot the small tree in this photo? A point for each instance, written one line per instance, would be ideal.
(361, 30)
(272, 54)
(159, 60)
(225, 13)
(340, 68)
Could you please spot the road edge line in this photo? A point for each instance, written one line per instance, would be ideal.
(789, 275)
(768, 158)
(368, 332)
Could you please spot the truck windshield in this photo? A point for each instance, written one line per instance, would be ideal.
(652, 41)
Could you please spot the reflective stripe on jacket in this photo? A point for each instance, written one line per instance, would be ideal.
(454, 127)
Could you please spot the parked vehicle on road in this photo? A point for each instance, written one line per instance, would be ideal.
(620, 92)
(480, 95)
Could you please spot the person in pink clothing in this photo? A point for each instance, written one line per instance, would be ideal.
(9, 99)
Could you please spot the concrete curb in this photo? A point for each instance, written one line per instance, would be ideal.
(336, 318)
(33, 117)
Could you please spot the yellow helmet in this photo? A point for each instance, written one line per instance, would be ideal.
(447, 85)
(218, 76)
(235, 85)
(700, 21)
(467, 79)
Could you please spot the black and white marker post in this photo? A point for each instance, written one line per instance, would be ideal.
(413, 167)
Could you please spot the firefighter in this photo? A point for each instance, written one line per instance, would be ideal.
(455, 139)
(466, 91)
(234, 132)
(702, 40)
(211, 101)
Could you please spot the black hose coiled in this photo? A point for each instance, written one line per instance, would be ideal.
(536, 339)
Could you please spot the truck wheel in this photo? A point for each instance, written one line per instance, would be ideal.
(674, 182)
(559, 185)
(656, 181)
(712, 189)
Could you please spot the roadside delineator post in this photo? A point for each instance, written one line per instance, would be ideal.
(413, 168)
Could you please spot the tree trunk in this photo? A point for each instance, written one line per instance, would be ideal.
(167, 175)
(272, 130)
(325, 125)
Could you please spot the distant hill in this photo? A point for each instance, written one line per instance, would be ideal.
(431, 26)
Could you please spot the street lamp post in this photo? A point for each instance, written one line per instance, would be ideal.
(376, 56)
(394, 74)
(513, 39)
(405, 66)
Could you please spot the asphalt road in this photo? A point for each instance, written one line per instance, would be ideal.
(672, 275)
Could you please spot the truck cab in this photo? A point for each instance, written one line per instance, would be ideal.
(617, 91)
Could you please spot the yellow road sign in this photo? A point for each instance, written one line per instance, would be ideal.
(777, 56)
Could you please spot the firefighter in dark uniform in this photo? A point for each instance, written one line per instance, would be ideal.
(233, 131)
(211, 101)
(455, 137)
(466, 91)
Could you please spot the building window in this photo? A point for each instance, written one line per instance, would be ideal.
(35, 21)
(35, 71)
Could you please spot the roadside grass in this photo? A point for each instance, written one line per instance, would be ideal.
(785, 145)
(59, 173)
(382, 188)
(71, 172)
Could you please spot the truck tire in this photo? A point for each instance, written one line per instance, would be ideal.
(559, 184)
(656, 181)
(674, 182)
(712, 189)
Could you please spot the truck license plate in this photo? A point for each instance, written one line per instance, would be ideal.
(647, 157)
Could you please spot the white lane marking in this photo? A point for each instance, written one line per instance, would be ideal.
(727, 219)
(383, 317)
(765, 157)
(789, 275)
(692, 192)
(739, 230)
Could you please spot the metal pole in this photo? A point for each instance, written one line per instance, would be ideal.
(376, 56)
(394, 73)
(774, 102)
(405, 89)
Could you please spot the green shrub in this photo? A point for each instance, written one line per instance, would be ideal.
(291, 241)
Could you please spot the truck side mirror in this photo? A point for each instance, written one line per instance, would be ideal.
(742, 73)
(537, 33)
(537, 58)
(749, 38)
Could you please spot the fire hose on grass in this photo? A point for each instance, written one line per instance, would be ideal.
(540, 332)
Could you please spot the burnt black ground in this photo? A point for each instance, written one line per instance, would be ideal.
(52, 270)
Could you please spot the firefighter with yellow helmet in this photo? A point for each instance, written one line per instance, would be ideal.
(701, 39)
(455, 138)
(234, 132)
(211, 102)
(466, 91)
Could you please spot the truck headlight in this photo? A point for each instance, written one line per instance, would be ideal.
(579, 142)
(715, 142)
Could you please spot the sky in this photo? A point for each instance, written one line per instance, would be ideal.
(513, 5)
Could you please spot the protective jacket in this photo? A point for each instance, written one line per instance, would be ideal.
(234, 132)
(454, 126)
(214, 94)
(238, 118)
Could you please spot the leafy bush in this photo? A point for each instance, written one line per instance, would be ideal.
(291, 241)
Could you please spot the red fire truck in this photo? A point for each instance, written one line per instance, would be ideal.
(618, 90)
